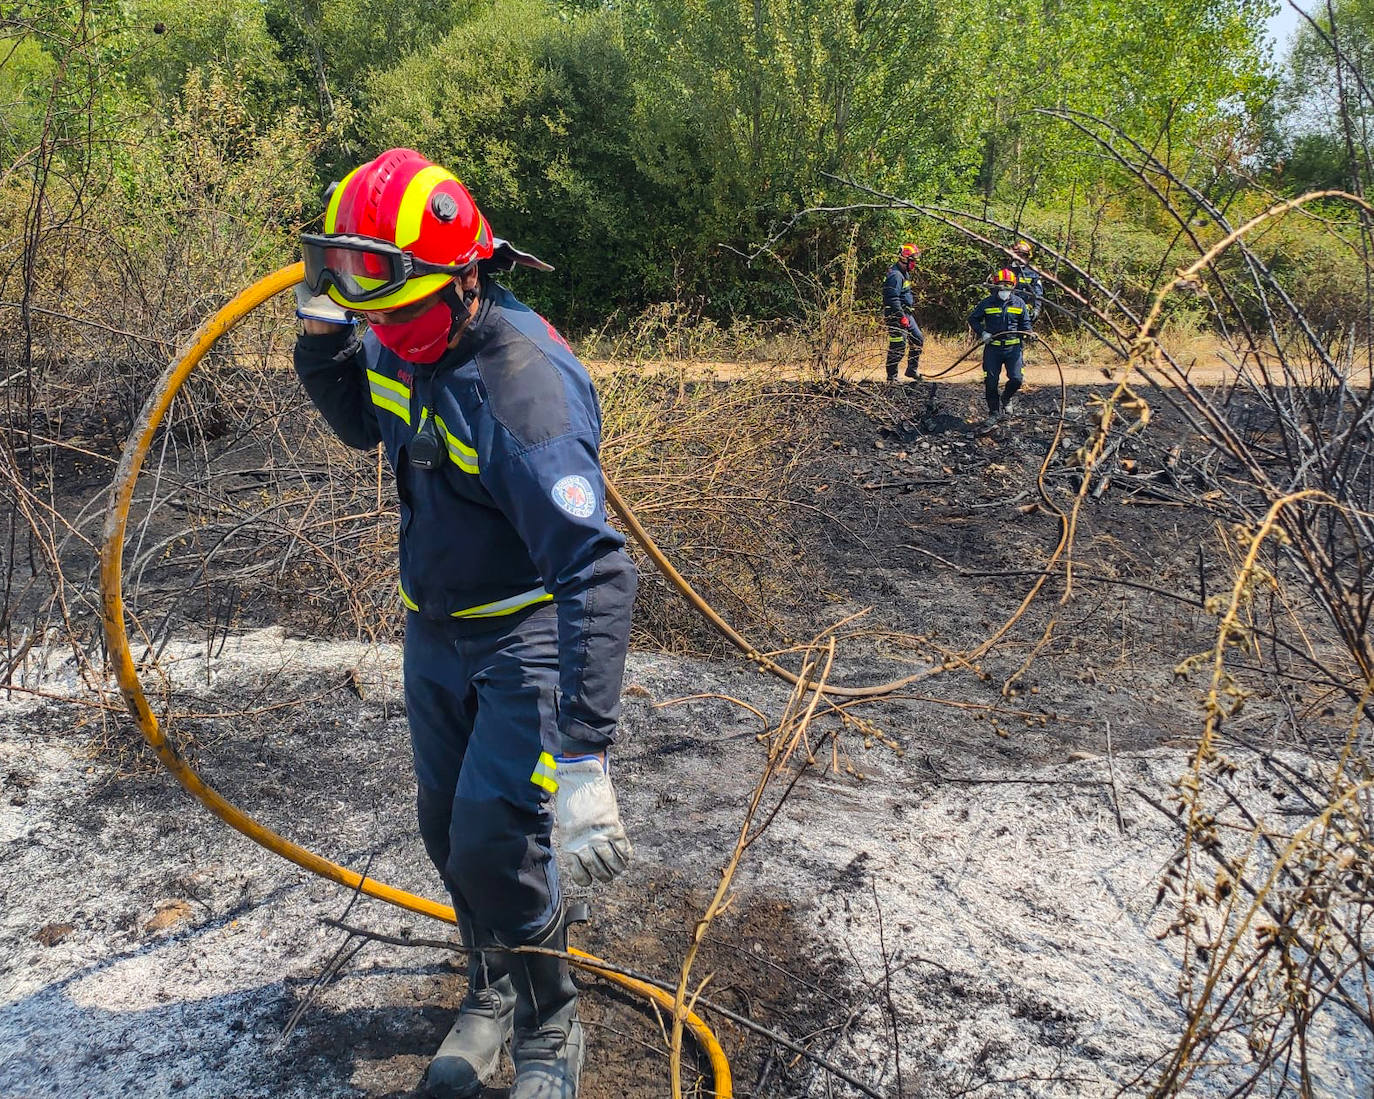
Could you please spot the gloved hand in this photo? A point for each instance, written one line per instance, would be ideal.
(589, 818)
(320, 307)
(985, 337)
(905, 322)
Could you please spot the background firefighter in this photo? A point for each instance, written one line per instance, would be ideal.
(999, 321)
(898, 314)
(519, 593)
(1030, 284)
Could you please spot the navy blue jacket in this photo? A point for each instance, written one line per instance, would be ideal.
(1031, 286)
(995, 316)
(898, 299)
(516, 514)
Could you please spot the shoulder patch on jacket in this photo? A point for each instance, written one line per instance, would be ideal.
(525, 390)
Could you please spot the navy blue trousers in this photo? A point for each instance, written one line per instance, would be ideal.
(899, 337)
(995, 359)
(483, 708)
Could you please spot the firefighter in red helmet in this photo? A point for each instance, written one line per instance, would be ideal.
(1001, 321)
(518, 590)
(1030, 284)
(899, 315)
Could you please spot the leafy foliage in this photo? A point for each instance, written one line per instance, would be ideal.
(659, 150)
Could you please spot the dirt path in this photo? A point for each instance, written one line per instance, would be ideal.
(943, 360)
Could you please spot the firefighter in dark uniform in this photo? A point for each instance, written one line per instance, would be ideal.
(1030, 284)
(518, 590)
(1000, 320)
(898, 314)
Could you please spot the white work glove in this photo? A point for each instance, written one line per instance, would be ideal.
(589, 819)
(985, 337)
(320, 307)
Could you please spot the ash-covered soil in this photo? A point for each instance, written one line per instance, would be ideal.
(957, 899)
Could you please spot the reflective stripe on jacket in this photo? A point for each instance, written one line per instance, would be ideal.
(898, 300)
(1030, 285)
(995, 316)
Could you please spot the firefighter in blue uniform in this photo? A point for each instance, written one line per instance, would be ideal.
(518, 591)
(898, 314)
(1000, 321)
(1030, 284)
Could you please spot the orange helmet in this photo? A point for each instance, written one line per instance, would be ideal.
(907, 253)
(396, 230)
(1003, 274)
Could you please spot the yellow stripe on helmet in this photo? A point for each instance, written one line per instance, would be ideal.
(331, 211)
(415, 200)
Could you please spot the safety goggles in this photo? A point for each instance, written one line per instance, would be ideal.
(362, 269)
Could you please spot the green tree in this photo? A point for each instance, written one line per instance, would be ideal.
(163, 41)
(535, 111)
(1183, 79)
(1323, 137)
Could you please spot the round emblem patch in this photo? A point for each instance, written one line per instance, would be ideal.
(574, 495)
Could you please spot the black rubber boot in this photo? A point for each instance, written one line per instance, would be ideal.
(913, 368)
(471, 1053)
(548, 1033)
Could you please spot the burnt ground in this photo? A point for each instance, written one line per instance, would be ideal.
(958, 901)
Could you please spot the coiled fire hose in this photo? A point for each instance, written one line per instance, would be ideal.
(117, 643)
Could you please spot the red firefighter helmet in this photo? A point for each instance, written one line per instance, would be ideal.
(1003, 275)
(420, 216)
(907, 254)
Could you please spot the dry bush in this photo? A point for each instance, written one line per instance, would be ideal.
(212, 201)
(134, 230)
(274, 521)
(832, 337)
(710, 470)
(672, 333)
(1272, 906)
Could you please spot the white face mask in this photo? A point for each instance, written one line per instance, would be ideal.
(1004, 294)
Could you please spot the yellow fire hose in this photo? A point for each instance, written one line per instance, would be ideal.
(117, 642)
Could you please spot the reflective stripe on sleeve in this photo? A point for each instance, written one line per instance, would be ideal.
(543, 773)
(390, 395)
